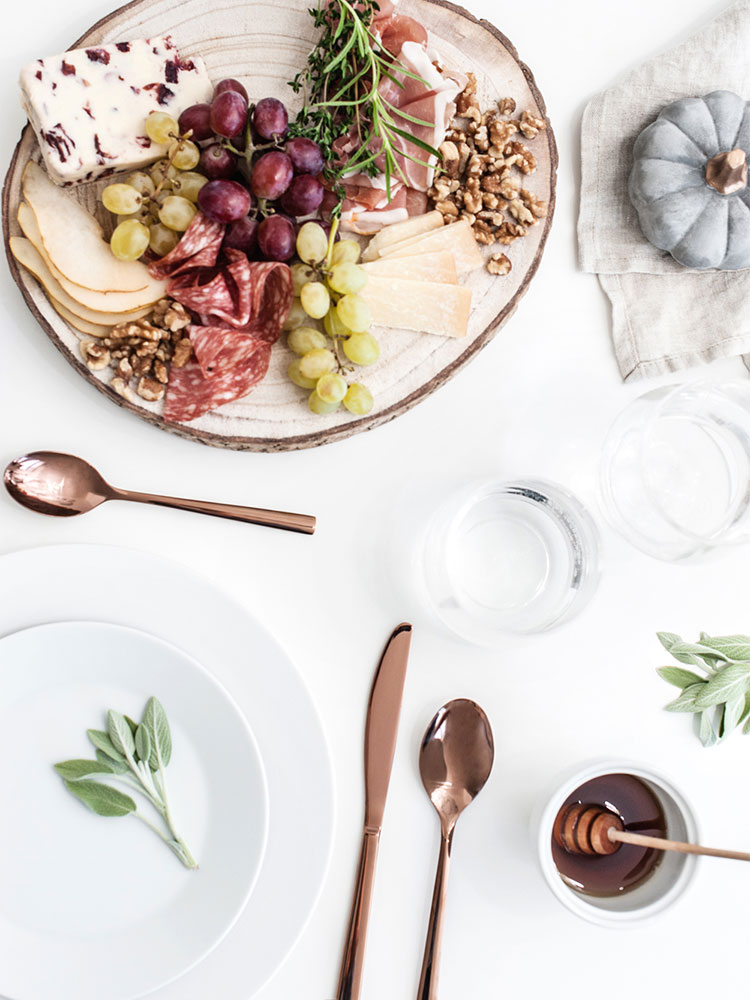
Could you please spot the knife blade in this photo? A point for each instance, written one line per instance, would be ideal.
(381, 732)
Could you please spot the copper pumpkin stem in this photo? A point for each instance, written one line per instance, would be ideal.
(727, 172)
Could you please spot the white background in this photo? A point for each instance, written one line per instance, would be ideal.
(537, 401)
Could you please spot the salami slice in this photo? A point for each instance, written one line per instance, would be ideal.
(272, 292)
(242, 306)
(225, 294)
(199, 247)
(229, 364)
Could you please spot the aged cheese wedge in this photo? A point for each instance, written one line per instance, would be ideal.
(82, 325)
(426, 306)
(457, 238)
(439, 266)
(74, 240)
(417, 225)
(26, 254)
(108, 302)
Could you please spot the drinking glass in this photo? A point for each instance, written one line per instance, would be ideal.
(675, 472)
(498, 557)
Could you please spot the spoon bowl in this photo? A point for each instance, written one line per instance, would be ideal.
(455, 762)
(51, 482)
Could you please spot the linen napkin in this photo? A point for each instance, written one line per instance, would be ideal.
(664, 316)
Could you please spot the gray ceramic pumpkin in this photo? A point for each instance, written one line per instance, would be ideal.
(689, 181)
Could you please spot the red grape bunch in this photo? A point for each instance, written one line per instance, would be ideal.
(259, 182)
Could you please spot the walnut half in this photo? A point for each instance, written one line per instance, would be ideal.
(95, 355)
(499, 264)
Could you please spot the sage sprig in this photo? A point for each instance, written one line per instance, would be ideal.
(718, 694)
(135, 754)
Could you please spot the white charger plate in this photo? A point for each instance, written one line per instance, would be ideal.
(166, 599)
(78, 891)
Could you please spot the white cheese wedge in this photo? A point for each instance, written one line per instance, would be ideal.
(415, 226)
(88, 106)
(457, 238)
(439, 266)
(427, 306)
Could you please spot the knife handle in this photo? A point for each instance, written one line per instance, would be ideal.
(350, 977)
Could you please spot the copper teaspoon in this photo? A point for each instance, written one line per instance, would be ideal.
(455, 761)
(51, 482)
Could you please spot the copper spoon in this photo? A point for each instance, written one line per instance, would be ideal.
(592, 830)
(455, 761)
(50, 482)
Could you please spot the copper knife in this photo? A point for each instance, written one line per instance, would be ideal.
(380, 744)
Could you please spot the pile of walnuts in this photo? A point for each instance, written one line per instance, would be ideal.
(484, 162)
(143, 350)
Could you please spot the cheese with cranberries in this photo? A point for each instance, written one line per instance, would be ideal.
(88, 107)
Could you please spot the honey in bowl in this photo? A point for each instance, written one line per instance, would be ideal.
(639, 810)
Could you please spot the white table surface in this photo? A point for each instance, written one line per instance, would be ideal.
(537, 401)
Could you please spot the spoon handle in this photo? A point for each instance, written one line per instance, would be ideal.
(428, 981)
(350, 977)
(303, 523)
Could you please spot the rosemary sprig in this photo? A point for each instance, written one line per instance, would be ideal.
(719, 695)
(342, 96)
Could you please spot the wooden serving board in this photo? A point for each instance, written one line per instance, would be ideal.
(264, 43)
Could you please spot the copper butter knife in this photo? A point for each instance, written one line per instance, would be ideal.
(380, 744)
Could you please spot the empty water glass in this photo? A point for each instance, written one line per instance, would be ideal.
(675, 474)
(498, 557)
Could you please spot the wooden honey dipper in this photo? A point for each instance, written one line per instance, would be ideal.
(592, 830)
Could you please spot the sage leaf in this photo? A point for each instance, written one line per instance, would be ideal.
(143, 744)
(746, 728)
(134, 751)
(731, 681)
(115, 766)
(101, 799)
(102, 742)
(732, 647)
(707, 733)
(679, 677)
(692, 652)
(733, 712)
(668, 639)
(120, 734)
(74, 769)
(687, 700)
(155, 721)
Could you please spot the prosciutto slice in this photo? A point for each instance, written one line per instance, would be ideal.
(419, 87)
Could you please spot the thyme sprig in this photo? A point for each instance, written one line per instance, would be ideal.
(342, 95)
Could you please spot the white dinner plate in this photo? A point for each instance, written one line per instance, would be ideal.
(168, 600)
(79, 891)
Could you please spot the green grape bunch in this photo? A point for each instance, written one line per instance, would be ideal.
(327, 281)
(154, 208)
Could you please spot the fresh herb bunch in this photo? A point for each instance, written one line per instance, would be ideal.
(341, 95)
(135, 754)
(720, 694)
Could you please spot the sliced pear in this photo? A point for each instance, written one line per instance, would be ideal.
(74, 240)
(26, 254)
(82, 325)
(109, 302)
